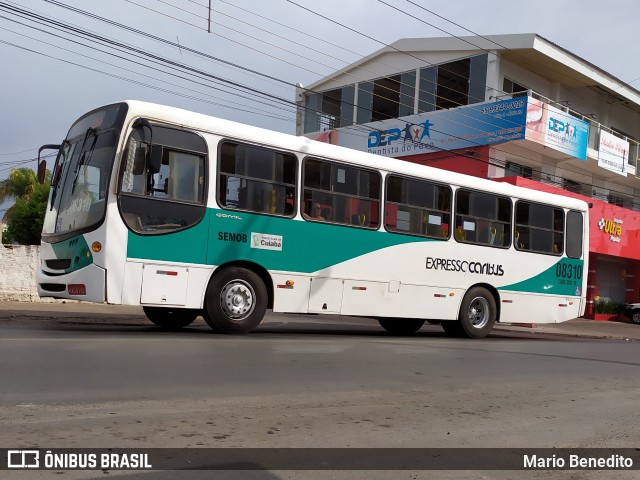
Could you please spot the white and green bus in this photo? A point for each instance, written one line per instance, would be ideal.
(188, 215)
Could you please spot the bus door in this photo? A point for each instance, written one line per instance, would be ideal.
(162, 201)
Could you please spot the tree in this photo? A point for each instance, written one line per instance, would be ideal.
(21, 182)
(25, 218)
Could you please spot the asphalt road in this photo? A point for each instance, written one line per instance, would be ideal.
(115, 381)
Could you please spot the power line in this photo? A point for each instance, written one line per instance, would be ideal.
(189, 79)
(297, 43)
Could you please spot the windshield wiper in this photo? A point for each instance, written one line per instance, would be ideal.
(81, 162)
(57, 171)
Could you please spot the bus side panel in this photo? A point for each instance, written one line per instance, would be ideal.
(132, 285)
(186, 289)
(394, 299)
(290, 298)
(516, 307)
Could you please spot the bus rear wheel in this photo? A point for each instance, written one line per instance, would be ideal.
(236, 301)
(401, 326)
(478, 313)
(170, 318)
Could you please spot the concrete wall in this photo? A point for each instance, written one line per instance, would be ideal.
(18, 264)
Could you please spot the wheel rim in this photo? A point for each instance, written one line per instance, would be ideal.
(636, 318)
(478, 312)
(237, 299)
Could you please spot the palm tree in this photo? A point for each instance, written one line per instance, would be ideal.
(20, 183)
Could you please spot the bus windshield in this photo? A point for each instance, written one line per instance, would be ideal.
(81, 174)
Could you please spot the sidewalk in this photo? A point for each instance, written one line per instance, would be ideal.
(582, 328)
(579, 328)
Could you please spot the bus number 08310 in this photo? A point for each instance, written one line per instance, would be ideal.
(568, 271)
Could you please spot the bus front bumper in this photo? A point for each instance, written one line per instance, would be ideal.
(86, 284)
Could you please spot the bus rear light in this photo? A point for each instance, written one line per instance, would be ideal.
(439, 295)
(77, 289)
(289, 283)
(96, 247)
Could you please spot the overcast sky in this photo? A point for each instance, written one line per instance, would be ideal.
(51, 77)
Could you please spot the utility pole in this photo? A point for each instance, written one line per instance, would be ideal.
(209, 23)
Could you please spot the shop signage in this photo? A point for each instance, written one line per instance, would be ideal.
(612, 153)
(469, 126)
(556, 129)
(613, 228)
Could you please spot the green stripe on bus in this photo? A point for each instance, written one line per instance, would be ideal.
(299, 246)
(75, 249)
(563, 278)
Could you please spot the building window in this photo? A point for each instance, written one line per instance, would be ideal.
(509, 86)
(330, 115)
(386, 98)
(615, 200)
(571, 185)
(329, 110)
(453, 84)
(517, 170)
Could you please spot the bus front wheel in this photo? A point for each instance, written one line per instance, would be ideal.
(401, 326)
(478, 313)
(170, 318)
(236, 301)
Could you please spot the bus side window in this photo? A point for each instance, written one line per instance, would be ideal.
(417, 207)
(484, 218)
(347, 195)
(256, 179)
(539, 228)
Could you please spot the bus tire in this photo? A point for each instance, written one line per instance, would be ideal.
(236, 301)
(207, 319)
(478, 313)
(452, 328)
(170, 318)
(401, 326)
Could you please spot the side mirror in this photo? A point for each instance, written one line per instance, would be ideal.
(141, 124)
(140, 159)
(155, 159)
(42, 164)
(42, 171)
(142, 153)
